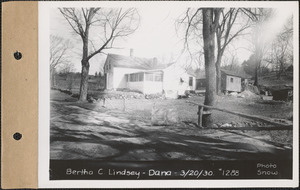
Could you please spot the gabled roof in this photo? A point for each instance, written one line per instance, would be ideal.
(197, 73)
(233, 73)
(201, 74)
(191, 72)
(134, 62)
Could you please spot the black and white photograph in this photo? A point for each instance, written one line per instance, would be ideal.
(172, 92)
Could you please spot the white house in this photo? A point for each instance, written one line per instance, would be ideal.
(146, 75)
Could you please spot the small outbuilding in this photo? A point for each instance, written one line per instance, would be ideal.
(232, 81)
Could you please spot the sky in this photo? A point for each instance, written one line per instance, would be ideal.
(155, 37)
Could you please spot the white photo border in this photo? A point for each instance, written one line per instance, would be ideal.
(44, 102)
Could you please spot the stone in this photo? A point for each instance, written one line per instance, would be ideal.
(233, 94)
(226, 125)
(219, 124)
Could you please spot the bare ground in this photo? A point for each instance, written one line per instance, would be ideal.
(91, 131)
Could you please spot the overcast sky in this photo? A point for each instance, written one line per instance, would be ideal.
(156, 36)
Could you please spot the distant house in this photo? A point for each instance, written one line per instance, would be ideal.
(230, 81)
(146, 75)
(200, 81)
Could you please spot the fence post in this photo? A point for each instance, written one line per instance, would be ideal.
(124, 104)
(200, 112)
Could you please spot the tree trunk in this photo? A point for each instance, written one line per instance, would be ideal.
(52, 77)
(85, 67)
(84, 80)
(209, 57)
(256, 73)
(218, 72)
(280, 68)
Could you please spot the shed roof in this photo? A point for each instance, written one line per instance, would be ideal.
(237, 74)
(134, 62)
(201, 74)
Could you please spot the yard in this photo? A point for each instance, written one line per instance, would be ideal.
(122, 129)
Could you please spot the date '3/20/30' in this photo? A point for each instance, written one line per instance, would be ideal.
(208, 173)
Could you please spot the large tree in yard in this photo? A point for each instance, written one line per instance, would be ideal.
(232, 23)
(109, 24)
(201, 26)
(220, 25)
(210, 22)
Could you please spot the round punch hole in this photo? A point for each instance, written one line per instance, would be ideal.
(17, 136)
(18, 55)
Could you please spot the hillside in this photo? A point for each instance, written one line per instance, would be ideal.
(271, 80)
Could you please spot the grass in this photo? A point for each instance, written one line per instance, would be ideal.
(141, 108)
(187, 113)
(82, 130)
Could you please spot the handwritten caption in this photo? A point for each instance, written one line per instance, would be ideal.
(267, 169)
(146, 170)
(189, 173)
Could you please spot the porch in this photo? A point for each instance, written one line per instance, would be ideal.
(147, 82)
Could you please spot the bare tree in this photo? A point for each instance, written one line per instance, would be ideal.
(233, 22)
(58, 55)
(281, 55)
(112, 24)
(191, 23)
(227, 30)
(67, 68)
(203, 27)
(210, 23)
(217, 23)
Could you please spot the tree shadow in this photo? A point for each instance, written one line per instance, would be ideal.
(185, 142)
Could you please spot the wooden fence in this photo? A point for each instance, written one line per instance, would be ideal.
(274, 124)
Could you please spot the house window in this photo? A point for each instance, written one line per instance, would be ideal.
(158, 77)
(231, 80)
(149, 77)
(141, 76)
(190, 81)
(135, 77)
